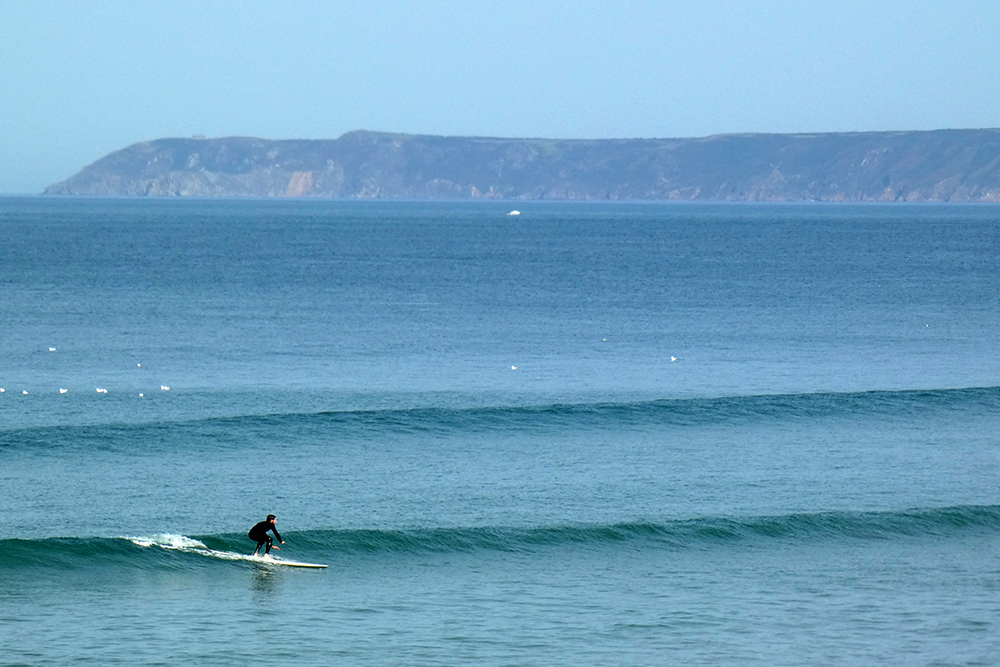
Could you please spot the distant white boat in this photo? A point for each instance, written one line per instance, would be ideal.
(514, 213)
(62, 391)
(164, 387)
(101, 391)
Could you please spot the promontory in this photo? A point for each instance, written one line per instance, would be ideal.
(941, 165)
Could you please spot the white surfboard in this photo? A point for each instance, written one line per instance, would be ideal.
(271, 560)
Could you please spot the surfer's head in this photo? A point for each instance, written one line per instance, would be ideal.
(271, 517)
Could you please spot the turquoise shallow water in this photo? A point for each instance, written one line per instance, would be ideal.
(591, 434)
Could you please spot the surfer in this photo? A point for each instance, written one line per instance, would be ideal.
(259, 534)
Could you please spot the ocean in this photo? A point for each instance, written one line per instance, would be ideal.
(588, 434)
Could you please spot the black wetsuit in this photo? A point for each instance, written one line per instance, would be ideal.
(259, 535)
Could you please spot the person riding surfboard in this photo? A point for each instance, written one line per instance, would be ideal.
(259, 534)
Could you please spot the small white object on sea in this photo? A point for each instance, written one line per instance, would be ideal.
(164, 387)
(140, 395)
(513, 368)
(673, 358)
(62, 391)
(514, 213)
(52, 349)
(24, 391)
(101, 390)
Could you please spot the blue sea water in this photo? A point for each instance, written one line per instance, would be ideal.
(591, 434)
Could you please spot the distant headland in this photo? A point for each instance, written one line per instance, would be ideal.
(940, 165)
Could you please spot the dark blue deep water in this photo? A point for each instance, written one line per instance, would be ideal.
(590, 434)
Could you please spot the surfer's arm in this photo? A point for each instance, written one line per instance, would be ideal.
(275, 531)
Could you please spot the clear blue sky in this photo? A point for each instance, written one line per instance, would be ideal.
(79, 79)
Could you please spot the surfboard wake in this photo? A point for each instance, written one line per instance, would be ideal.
(188, 545)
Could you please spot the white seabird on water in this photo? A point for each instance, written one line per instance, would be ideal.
(52, 349)
(164, 387)
(62, 391)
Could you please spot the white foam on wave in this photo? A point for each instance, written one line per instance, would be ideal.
(188, 545)
(167, 541)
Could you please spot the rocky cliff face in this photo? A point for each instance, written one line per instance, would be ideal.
(945, 165)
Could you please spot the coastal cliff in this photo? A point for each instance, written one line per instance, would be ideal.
(942, 165)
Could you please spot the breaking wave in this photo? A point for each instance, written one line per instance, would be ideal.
(707, 533)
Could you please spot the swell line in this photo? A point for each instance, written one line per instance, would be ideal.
(431, 420)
